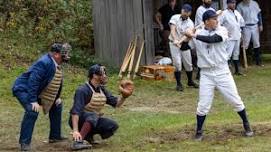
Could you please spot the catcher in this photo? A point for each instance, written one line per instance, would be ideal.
(86, 117)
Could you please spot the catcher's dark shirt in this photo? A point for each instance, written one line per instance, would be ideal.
(83, 95)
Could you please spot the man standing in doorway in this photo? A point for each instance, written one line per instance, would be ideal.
(162, 18)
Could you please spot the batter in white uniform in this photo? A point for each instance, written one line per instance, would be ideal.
(233, 21)
(181, 55)
(251, 13)
(210, 43)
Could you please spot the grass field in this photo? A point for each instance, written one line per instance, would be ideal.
(155, 118)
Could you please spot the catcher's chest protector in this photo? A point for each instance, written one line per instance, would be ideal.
(48, 95)
(97, 102)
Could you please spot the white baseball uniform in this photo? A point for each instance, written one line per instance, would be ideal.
(233, 21)
(199, 13)
(215, 73)
(180, 56)
(250, 12)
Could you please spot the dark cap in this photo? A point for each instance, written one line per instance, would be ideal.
(208, 14)
(187, 7)
(56, 47)
(97, 69)
(231, 1)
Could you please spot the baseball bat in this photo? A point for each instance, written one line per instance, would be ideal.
(125, 66)
(128, 51)
(244, 55)
(132, 60)
(139, 58)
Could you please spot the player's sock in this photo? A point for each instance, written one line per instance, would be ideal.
(178, 77)
(189, 76)
(198, 74)
(236, 66)
(190, 79)
(257, 56)
(243, 115)
(200, 121)
(246, 125)
(86, 128)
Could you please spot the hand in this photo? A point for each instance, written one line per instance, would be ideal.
(177, 43)
(35, 107)
(161, 27)
(260, 28)
(126, 88)
(58, 101)
(76, 136)
(190, 33)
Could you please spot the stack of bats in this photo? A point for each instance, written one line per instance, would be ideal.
(128, 61)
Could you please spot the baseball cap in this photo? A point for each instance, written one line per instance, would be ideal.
(187, 7)
(208, 14)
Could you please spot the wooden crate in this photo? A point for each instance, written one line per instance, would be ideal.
(157, 72)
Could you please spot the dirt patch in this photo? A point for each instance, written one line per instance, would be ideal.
(213, 134)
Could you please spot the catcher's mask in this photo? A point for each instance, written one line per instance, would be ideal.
(97, 69)
(63, 49)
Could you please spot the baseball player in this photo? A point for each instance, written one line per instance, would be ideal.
(204, 7)
(179, 23)
(86, 116)
(233, 21)
(251, 13)
(210, 43)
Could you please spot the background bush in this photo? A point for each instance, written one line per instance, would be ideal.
(34, 25)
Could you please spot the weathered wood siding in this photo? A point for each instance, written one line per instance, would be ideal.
(116, 22)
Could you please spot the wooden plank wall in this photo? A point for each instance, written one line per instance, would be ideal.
(116, 22)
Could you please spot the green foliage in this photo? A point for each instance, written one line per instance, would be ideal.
(45, 21)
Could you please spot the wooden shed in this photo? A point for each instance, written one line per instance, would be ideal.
(116, 22)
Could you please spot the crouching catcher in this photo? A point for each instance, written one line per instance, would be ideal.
(86, 117)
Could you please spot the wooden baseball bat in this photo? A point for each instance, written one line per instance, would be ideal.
(132, 60)
(139, 58)
(125, 66)
(244, 55)
(128, 52)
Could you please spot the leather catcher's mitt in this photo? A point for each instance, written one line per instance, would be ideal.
(126, 88)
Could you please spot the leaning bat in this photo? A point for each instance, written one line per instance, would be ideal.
(244, 55)
(139, 58)
(128, 52)
(131, 62)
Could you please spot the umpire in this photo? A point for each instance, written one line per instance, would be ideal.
(41, 86)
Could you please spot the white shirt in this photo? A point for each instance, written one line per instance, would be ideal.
(181, 25)
(233, 21)
(249, 11)
(199, 13)
(211, 55)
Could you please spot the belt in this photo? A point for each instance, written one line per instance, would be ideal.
(250, 24)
